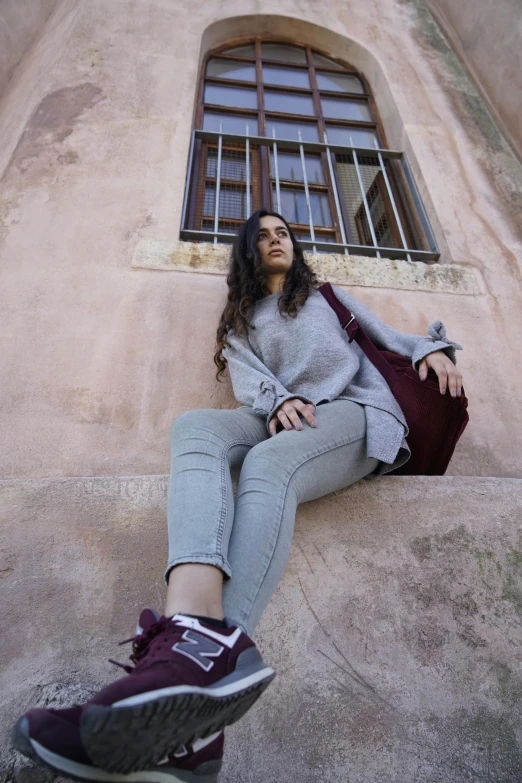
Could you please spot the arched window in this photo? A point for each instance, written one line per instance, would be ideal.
(284, 127)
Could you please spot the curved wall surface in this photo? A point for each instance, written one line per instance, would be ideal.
(488, 37)
(20, 22)
(100, 353)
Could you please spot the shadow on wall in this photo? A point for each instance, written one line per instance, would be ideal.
(21, 22)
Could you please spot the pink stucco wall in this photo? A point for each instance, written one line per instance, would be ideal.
(21, 22)
(488, 37)
(99, 357)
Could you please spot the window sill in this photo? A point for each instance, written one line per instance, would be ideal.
(207, 258)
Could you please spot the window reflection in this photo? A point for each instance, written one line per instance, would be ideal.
(339, 82)
(288, 103)
(346, 110)
(228, 69)
(290, 168)
(290, 130)
(283, 52)
(230, 96)
(324, 62)
(242, 51)
(232, 123)
(356, 137)
(287, 77)
(294, 208)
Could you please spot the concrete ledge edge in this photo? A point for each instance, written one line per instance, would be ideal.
(206, 258)
(164, 477)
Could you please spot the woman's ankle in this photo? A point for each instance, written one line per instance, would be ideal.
(214, 613)
(197, 589)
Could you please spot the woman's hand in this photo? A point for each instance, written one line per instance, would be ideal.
(288, 415)
(448, 375)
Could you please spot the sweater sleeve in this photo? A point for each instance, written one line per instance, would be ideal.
(389, 339)
(253, 383)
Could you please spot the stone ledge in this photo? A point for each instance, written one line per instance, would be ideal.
(344, 270)
(395, 631)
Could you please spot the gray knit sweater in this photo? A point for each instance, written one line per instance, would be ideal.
(310, 357)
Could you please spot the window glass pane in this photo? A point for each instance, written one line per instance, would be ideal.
(289, 77)
(324, 62)
(374, 187)
(230, 96)
(346, 110)
(288, 54)
(289, 130)
(290, 168)
(232, 201)
(318, 237)
(228, 69)
(361, 137)
(232, 123)
(242, 51)
(291, 104)
(340, 82)
(233, 164)
(293, 207)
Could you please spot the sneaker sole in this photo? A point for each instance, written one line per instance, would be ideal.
(44, 757)
(137, 732)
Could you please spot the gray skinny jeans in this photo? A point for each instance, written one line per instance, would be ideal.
(250, 540)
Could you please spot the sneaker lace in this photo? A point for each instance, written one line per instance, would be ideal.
(141, 643)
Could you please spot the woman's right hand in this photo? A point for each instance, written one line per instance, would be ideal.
(288, 415)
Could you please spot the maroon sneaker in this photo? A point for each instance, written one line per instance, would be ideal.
(190, 680)
(51, 738)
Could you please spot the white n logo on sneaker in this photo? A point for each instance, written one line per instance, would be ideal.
(199, 649)
(195, 625)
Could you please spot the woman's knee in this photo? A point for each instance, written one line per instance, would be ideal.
(265, 460)
(185, 423)
(215, 424)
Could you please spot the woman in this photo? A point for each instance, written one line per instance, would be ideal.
(316, 417)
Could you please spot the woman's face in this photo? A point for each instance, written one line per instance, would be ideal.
(274, 245)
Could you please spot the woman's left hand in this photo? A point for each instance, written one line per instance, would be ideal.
(448, 375)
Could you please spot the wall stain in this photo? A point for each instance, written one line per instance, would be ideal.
(144, 221)
(50, 124)
(8, 215)
(68, 157)
(87, 407)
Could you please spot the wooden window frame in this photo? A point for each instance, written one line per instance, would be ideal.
(265, 181)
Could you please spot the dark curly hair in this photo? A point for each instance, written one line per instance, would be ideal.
(246, 282)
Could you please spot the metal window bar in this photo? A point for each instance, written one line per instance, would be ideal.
(276, 172)
(247, 166)
(365, 200)
(189, 178)
(218, 183)
(421, 212)
(336, 194)
(392, 201)
(307, 192)
(415, 254)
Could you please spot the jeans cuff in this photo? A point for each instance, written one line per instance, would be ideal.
(214, 560)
